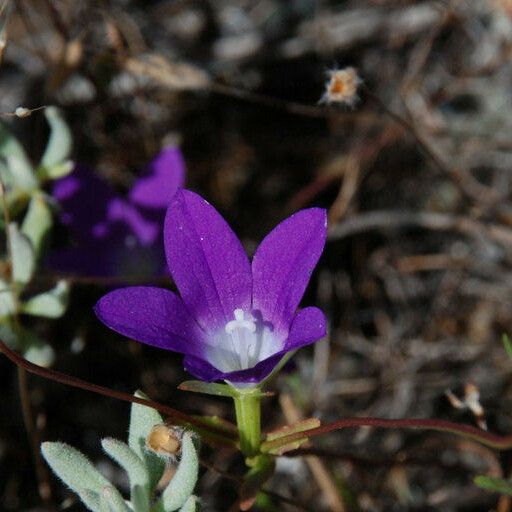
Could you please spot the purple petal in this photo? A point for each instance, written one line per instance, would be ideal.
(203, 370)
(206, 260)
(84, 198)
(153, 316)
(160, 181)
(308, 326)
(91, 260)
(118, 254)
(144, 230)
(283, 263)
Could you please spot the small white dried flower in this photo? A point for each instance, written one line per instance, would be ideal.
(341, 86)
(470, 401)
(22, 112)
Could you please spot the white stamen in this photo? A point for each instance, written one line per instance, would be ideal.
(242, 342)
(240, 323)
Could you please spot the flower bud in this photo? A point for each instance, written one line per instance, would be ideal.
(164, 440)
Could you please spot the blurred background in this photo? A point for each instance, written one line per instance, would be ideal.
(416, 173)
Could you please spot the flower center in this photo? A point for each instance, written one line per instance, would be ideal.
(241, 331)
(240, 323)
(242, 343)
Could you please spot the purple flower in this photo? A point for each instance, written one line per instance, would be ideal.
(234, 320)
(113, 235)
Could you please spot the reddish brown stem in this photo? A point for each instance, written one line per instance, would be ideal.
(467, 431)
(175, 416)
(180, 418)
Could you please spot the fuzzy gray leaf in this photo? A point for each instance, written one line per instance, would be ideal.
(136, 469)
(76, 471)
(60, 142)
(182, 485)
(37, 222)
(142, 420)
(23, 255)
(51, 304)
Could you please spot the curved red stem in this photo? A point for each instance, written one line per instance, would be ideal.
(460, 429)
(175, 416)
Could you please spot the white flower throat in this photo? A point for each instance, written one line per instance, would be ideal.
(242, 343)
(240, 323)
(242, 336)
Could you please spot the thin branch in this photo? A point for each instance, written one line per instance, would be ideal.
(175, 416)
(467, 431)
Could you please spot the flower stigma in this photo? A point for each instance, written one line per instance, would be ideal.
(236, 329)
(240, 323)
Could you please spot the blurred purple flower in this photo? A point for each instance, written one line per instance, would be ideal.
(114, 235)
(234, 320)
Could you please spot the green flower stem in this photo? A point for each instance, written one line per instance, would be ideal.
(248, 419)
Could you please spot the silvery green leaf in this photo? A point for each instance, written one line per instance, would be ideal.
(17, 170)
(90, 499)
(37, 222)
(39, 353)
(112, 501)
(50, 304)
(142, 420)
(60, 141)
(76, 471)
(8, 336)
(7, 300)
(182, 484)
(23, 255)
(190, 505)
(17, 201)
(5, 174)
(136, 469)
(34, 349)
(55, 172)
(109, 500)
(21, 176)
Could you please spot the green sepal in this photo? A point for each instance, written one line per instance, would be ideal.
(207, 388)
